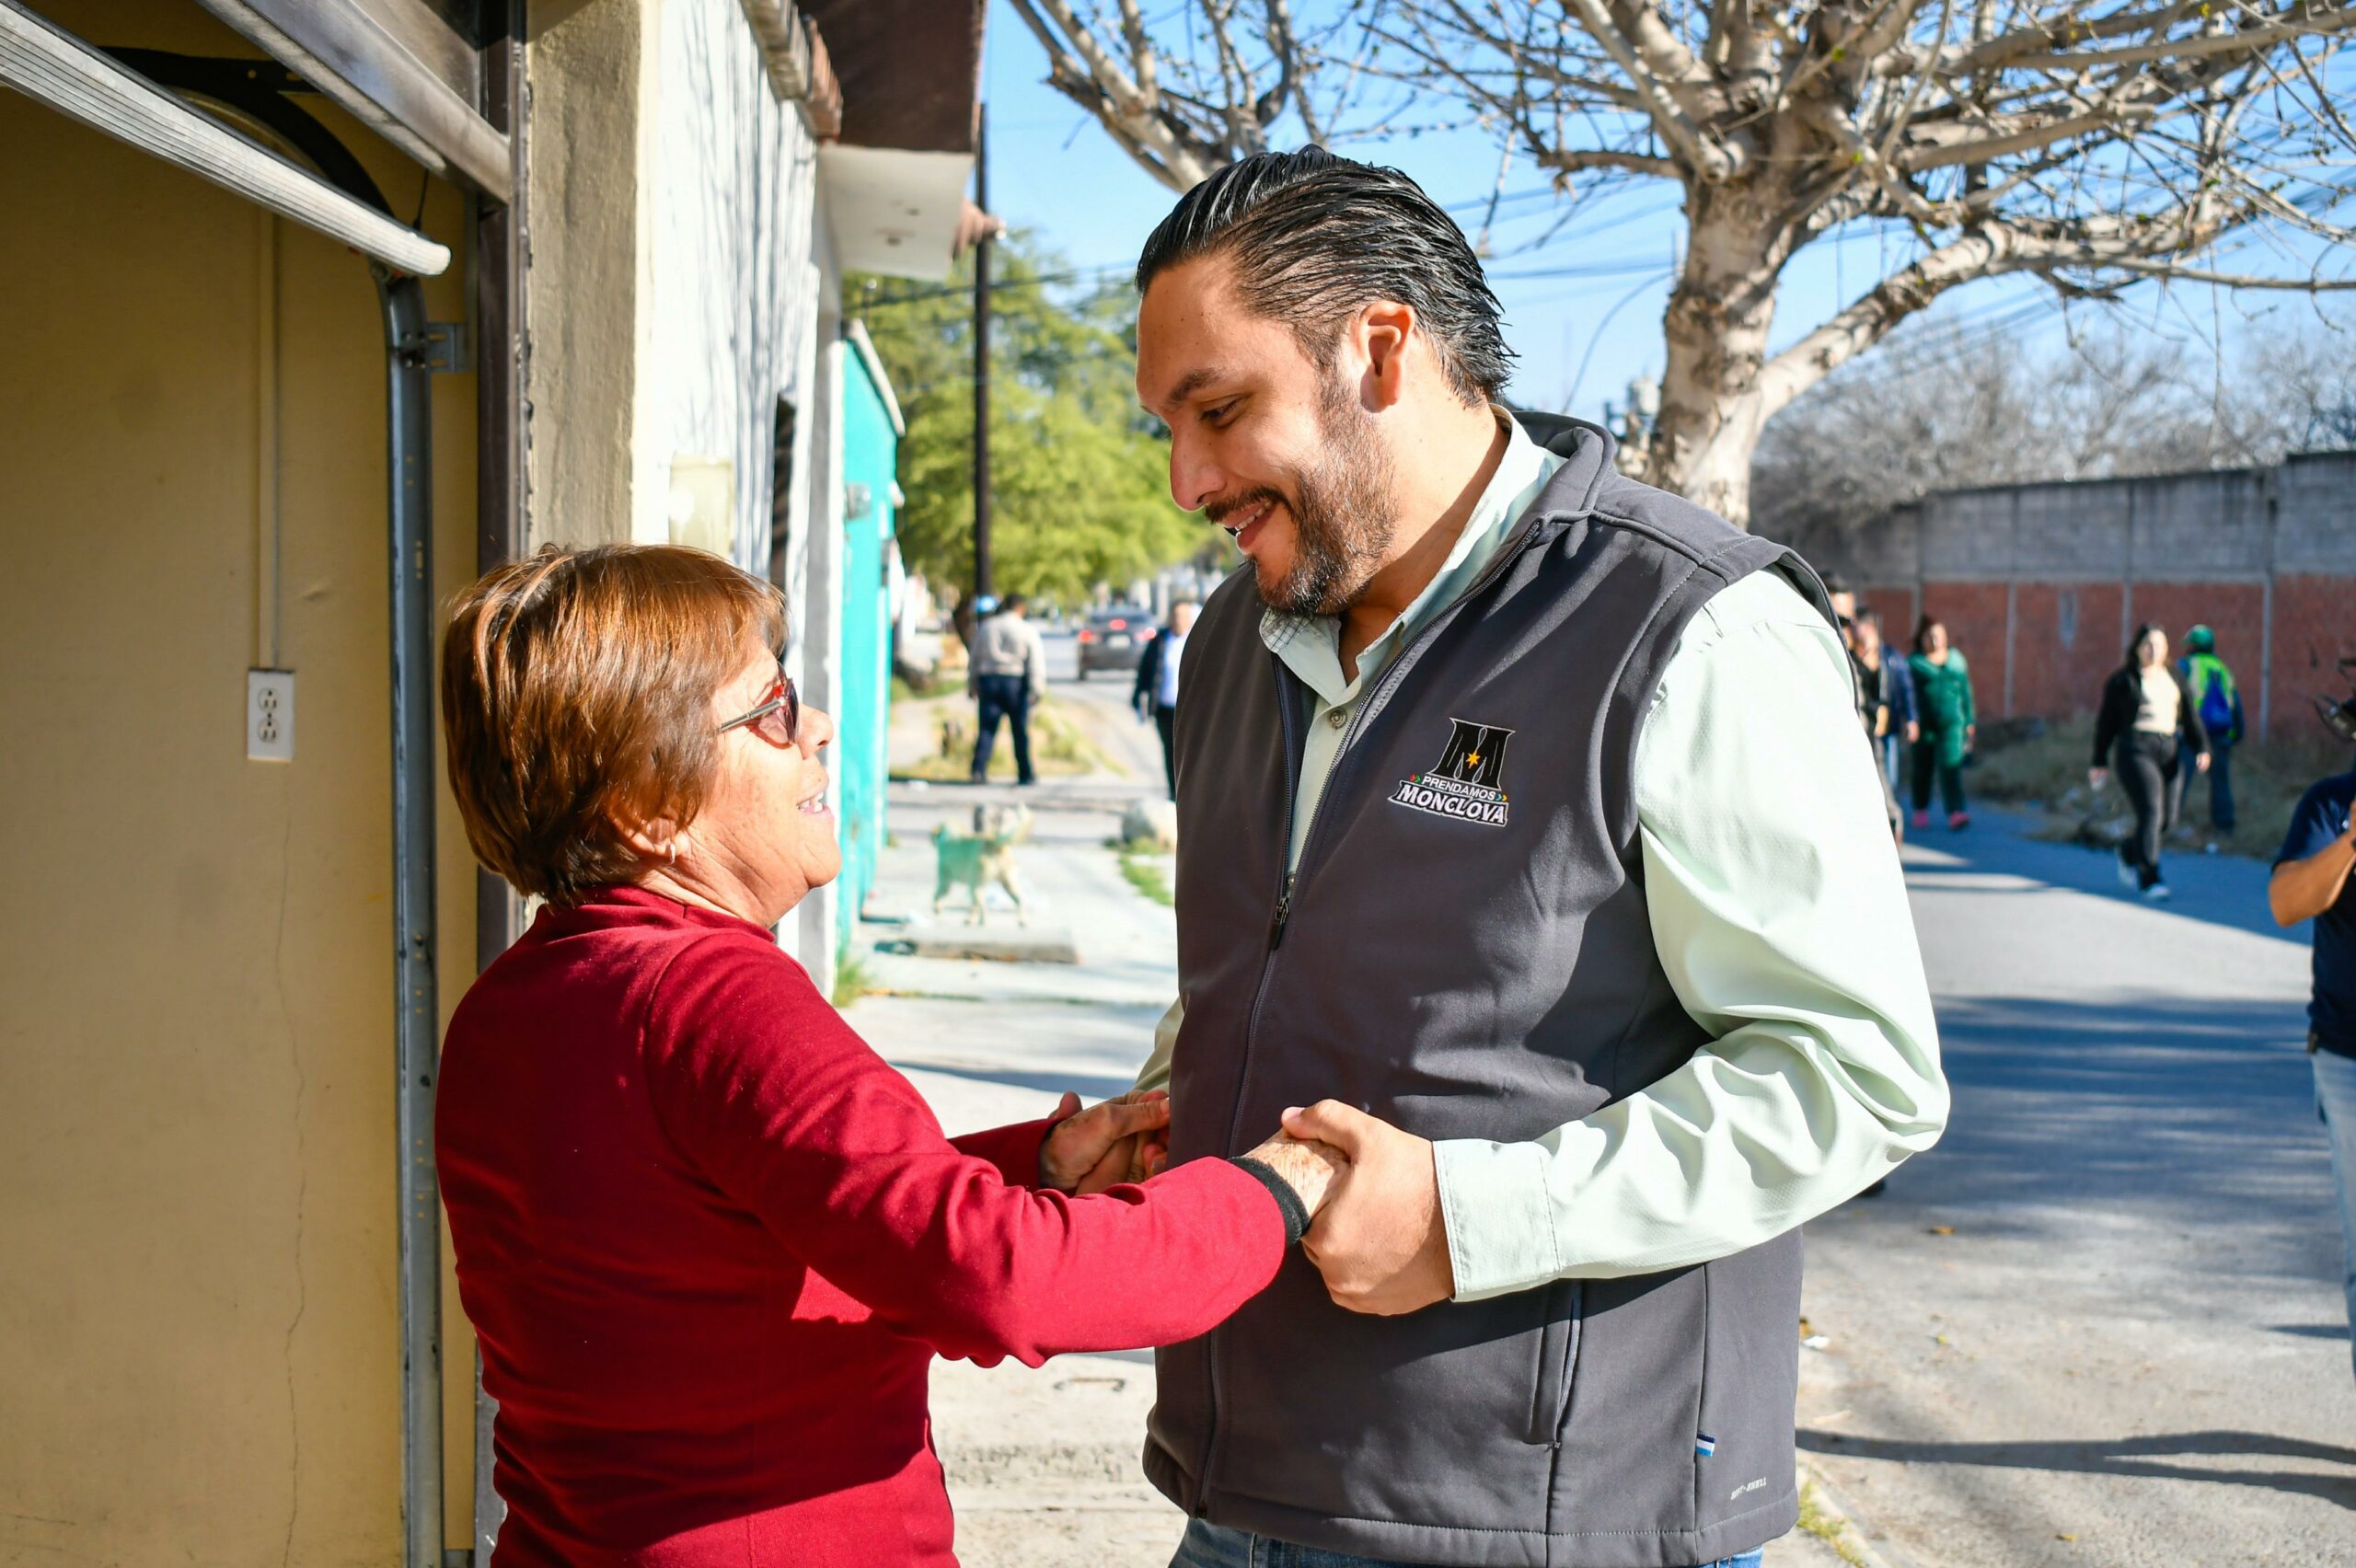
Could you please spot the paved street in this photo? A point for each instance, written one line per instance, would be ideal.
(2132, 1349)
(2098, 1325)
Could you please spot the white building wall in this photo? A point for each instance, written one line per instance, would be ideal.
(733, 309)
(821, 608)
(740, 273)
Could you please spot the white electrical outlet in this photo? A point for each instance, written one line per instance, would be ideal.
(269, 715)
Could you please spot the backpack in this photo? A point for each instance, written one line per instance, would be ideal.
(2216, 696)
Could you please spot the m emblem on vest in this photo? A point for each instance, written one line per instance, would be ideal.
(1468, 782)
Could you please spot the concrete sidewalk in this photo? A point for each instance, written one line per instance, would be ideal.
(1044, 1464)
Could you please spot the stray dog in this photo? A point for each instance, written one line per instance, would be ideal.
(985, 855)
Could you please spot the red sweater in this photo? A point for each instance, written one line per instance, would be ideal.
(711, 1242)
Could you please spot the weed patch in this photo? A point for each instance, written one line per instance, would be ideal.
(853, 978)
(1145, 876)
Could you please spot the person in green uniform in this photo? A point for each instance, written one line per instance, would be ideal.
(1948, 719)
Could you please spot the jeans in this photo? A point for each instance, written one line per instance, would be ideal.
(2221, 781)
(1893, 753)
(1215, 1546)
(2336, 1105)
(1926, 766)
(1006, 696)
(2146, 766)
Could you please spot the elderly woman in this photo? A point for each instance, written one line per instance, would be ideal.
(709, 1242)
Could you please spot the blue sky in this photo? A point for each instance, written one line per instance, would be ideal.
(1580, 337)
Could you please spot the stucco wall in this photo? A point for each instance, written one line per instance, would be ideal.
(680, 286)
(733, 301)
(199, 1357)
(591, 78)
(673, 279)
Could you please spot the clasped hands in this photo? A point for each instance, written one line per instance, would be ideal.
(1371, 1191)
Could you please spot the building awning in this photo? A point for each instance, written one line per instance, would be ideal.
(52, 66)
(895, 179)
(911, 70)
(896, 212)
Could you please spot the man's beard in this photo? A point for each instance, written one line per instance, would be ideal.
(1345, 513)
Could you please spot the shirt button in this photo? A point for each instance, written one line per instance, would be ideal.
(1338, 717)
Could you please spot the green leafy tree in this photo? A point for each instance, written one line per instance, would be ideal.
(1078, 475)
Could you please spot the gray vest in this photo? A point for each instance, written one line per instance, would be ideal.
(1465, 952)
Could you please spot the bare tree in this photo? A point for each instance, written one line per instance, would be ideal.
(2092, 143)
(1181, 110)
(1945, 408)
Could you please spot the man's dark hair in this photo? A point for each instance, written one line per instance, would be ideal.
(1013, 604)
(1314, 236)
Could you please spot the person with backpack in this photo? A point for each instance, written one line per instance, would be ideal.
(2148, 722)
(2219, 705)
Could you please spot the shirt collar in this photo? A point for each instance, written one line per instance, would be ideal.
(1311, 645)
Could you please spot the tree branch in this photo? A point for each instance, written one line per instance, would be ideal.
(1988, 253)
(1710, 159)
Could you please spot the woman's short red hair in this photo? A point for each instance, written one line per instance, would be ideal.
(576, 697)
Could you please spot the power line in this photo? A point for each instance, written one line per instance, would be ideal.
(945, 291)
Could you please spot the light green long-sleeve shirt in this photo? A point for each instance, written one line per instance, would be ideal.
(1780, 916)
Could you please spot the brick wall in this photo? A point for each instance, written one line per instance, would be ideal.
(2041, 584)
(1974, 616)
(2065, 641)
(2314, 625)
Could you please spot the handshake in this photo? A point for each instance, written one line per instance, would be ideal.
(1371, 1191)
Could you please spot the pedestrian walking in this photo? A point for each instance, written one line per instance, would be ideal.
(1527, 822)
(2219, 702)
(2311, 881)
(2147, 723)
(1860, 634)
(709, 1242)
(1946, 722)
(1156, 697)
(1898, 695)
(1007, 674)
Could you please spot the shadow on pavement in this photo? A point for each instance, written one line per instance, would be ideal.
(2124, 1457)
(2223, 890)
(2070, 1112)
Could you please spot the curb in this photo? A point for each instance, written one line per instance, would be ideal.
(1852, 1542)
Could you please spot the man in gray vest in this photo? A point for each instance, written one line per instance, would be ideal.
(1531, 855)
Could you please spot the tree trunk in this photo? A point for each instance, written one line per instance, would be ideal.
(1715, 329)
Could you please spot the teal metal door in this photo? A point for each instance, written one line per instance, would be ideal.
(871, 428)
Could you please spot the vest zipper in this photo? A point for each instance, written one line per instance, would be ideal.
(1287, 715)
(1288, 712)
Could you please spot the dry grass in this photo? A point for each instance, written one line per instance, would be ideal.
(1059, 747)
(1828, 1528)
(2043, 766)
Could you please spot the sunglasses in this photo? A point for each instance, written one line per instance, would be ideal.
(778, 718)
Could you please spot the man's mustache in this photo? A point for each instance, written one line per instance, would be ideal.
(1225, 507)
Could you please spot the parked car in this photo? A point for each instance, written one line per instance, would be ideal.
(1114, 639)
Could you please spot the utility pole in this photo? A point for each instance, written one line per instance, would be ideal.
(982, 363)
